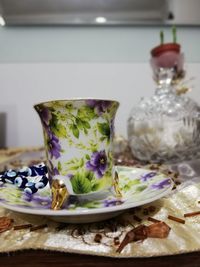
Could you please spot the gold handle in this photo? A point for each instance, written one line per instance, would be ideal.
(116, 186)
(59, 194)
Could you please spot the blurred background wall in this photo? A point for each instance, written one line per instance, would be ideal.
(44, 63)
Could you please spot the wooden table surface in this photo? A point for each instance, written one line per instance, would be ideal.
(40, 258)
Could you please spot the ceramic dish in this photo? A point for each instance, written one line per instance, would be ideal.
(138, 186)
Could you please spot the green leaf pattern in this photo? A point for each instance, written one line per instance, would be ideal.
(80, 184)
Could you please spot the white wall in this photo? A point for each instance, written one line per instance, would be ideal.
(38, 63)
(23, 85)
(90, 44)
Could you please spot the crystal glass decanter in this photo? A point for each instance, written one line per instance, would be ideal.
(166, 127)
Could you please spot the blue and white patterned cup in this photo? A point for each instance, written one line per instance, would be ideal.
(78, 138)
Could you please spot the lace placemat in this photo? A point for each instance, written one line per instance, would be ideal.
(104, 238)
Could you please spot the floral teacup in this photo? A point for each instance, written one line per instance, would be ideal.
(78, 136)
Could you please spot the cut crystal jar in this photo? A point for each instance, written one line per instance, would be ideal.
(166, 127)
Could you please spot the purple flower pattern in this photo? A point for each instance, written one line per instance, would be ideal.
(112, 202)
(97, 163)
(99, 105)
(55, 171)
(54, 146)
(147, 176)
(161, 184)
(45, 116)
(51, 171)
(40, 201)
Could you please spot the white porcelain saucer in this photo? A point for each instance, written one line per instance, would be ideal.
(138, 186)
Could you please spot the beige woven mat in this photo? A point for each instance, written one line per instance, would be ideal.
(81, 238)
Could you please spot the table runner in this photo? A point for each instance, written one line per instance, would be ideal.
(83, 238)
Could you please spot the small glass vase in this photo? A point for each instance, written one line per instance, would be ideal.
(165, 127)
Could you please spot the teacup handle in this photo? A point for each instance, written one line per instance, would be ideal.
(117, 190)
(59, 194)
